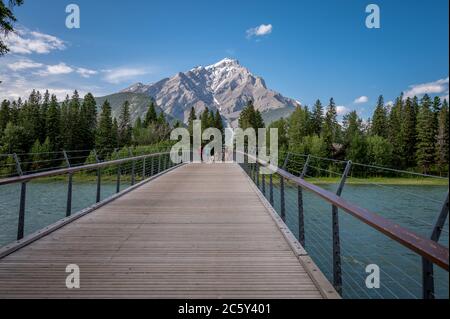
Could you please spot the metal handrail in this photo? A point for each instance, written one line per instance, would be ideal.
(432, 251)
(71, 170)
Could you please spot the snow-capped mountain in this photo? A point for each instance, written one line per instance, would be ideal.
(226, 86)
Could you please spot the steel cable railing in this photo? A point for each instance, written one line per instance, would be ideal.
(102, 179)
(336, 244)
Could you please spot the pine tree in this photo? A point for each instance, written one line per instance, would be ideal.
(89, 121)
(218, 122)
(53, 125)
(379, 120)
(395, 120)
(14, 114)
(106, 139)
(205, 119)
(151, 117)
(192, 118)
(317, 118)
(425, 135)
(75, 127)
(442, 145)
(70, 123)
(65, 124)
(352, 128)
(7, 20)
(283, 138)
(29, 117)
(330, 128)
(125, 129)
(138, 124)
(211, 119)
(298, 127)
(161, 120)
(251, 118)
(408, 134)
(43, 117)
(115, 134)
(5, 115)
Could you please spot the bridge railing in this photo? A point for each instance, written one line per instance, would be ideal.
(115, 175)
(347, 246)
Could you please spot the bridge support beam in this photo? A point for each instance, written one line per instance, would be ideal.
(99, 179)
(337, 262)
(427, 266)
(271, 189)
(301, 212)
(282, 199)
(133, 169)
(69, 187)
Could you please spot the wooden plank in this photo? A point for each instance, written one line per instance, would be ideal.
(200, 231)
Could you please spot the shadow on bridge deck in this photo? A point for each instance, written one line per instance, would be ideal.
(199, 231)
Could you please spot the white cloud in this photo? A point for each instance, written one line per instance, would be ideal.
(24, 65)
(15, 85)
(57, 69)
(361, 100)
(436, 87)
(262, 30)
(86, 73)
(342, 110)
(24, 41)
(119, 75)
(390, 103)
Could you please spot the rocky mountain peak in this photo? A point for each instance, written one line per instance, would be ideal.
(226, 86)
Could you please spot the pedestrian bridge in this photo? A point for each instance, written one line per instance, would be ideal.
(186, 231)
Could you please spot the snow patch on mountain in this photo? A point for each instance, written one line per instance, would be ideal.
(226, 86)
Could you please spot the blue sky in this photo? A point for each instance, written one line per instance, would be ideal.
(305, 50)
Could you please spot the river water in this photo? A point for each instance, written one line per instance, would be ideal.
(414, 207)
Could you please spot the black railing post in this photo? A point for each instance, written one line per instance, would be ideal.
(152, 159)
(282, 200)
(301, 210)
(271, 188)
(133, 168)
(143, 168)
(119, 172)
(21, 223)
(99, 179)
(257, 175)
(427, 266)
(69, 187)
(23, 198)
(263, 183)
(159, 163)
(69, 196)
(337, 262)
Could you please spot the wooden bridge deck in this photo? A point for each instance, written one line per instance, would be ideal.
(199, 231)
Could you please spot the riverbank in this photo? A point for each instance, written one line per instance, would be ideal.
(382, 181)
